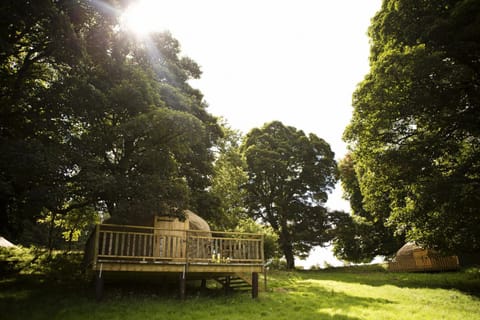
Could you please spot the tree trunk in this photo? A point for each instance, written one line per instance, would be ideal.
(287, 249)
(288, 252)
(51, 230)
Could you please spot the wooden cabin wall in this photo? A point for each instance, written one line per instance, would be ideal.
(170, 237)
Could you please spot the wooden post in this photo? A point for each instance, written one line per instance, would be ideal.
(265, 270)
(203, 285)
(183, 286)
(187, 240)
(262, 252)
(99, 284)
(95, 247)
(227, 285)
(254, 285)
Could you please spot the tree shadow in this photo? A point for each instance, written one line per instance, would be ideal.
(34, 298)
(37, 297)
(462, 281)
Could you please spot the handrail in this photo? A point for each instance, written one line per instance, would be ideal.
(190, 230)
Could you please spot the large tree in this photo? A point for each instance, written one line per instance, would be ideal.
(415, 131)
(91, 117)
(39, 45)
(144, 147)
(289, 177)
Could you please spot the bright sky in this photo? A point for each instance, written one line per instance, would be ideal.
(297, 61)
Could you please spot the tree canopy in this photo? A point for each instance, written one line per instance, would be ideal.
(289, 177)
(92, 117)
(415, 127)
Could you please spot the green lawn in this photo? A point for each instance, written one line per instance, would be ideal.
(331, 294)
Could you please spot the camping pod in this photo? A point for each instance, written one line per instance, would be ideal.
(413, 258)
(170, 235)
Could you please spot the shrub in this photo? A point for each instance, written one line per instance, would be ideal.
(271, 248)
(58, 265)
(16, 259)
(277, 264)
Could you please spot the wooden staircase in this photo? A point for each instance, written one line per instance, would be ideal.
(239, 281)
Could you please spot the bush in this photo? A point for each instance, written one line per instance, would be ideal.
(362, 268)
(271, 248)
(472, 272)
(58, 265)
(63, 266)
(277, 264)
(14, 260)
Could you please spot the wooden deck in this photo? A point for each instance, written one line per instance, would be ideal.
(190, 254)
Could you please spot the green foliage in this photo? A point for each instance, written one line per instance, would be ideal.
(91, 118)
(228, 178)
(415, 127)
(473, 272)
(361, 236)
(15, 259)
(362, 268)
(38, 46)
(289, 177)
(56, 266)
(278, 264)
(270, 238)
(66, 231)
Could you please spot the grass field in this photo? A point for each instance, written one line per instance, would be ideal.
(346, 293)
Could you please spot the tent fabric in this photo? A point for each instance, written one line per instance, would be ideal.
(408, 249)
(5, 243)
(196, 222)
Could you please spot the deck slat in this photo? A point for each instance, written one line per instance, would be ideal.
(122, 242)
(115, 250)
(129, 236)
(133, 244)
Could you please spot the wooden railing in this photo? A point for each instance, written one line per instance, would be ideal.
(144, 244)
(434, 263)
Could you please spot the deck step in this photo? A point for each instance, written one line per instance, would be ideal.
(239, 282)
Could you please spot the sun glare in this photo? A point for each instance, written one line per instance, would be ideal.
(147, 16)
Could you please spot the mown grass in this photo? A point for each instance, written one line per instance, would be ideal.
(346, 293)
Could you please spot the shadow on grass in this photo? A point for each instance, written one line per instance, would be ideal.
(36, 297)
(465, 281)
(29, 297)
(291, 296)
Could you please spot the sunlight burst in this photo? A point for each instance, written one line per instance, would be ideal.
(147, 16)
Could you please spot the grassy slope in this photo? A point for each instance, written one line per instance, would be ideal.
(331, 294)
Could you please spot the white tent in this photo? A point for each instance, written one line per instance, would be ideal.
(5, 243)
